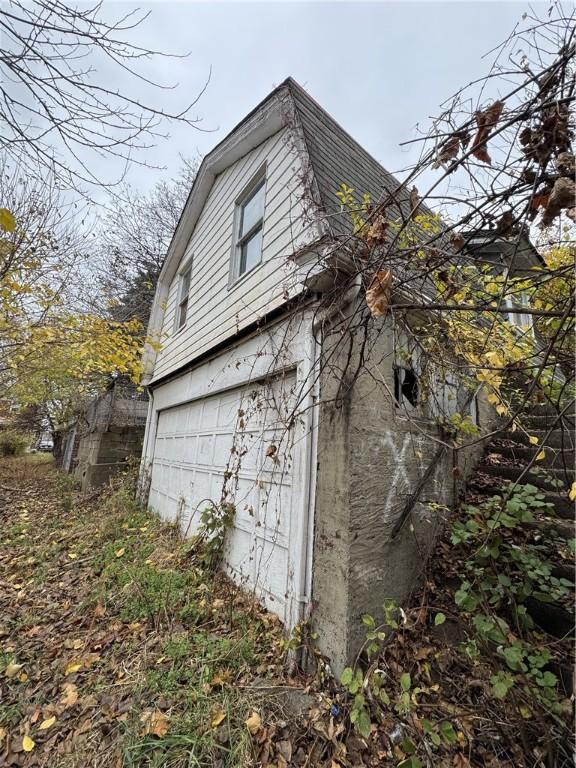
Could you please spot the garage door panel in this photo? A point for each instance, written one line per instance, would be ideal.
(194, 448)
(271, 567)
(274, 511)
(205, 450)
(203, 485)
(189, 449)
(239, 554)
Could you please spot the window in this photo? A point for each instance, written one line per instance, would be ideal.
(183, 291)
(405, 386)
(519, 319)
(250, 224)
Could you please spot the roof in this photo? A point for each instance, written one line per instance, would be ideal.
(334, 156)
(331, 155)
(337, 158)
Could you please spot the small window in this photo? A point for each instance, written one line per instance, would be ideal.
(183, 292)
(250, 225)
(519, 319)
(405, 387)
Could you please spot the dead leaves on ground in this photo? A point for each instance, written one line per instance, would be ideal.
(154, 722)
(73, 667)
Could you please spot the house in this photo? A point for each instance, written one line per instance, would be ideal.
(272, 390)
(96, 443)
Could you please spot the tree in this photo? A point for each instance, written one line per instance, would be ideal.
(59, 111)
(51, 350)
(497, 173)
(133, 239)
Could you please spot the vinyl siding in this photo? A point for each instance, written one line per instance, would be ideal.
(217, 310)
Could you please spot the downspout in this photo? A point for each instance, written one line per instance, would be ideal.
(143, 485)
(314, 349)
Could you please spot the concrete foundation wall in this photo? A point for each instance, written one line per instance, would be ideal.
(102, 454)
(371, 457)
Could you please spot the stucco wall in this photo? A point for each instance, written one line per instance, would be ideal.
(370, 459)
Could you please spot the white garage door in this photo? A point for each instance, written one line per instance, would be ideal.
(235, 446)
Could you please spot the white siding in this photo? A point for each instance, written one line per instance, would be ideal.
(216, 310)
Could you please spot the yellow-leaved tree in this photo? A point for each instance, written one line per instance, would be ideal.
(53, 349)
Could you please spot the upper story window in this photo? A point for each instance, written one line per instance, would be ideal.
(183, 294)
(249, 227)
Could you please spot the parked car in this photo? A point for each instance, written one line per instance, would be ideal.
(46, 445)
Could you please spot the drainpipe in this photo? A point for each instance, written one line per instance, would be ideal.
(149, 438)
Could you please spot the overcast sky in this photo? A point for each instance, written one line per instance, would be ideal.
(379, 68)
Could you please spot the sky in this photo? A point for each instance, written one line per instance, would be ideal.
(379, 68)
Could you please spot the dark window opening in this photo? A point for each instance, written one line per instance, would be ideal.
(405, 386)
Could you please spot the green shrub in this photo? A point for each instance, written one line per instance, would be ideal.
(12, 442)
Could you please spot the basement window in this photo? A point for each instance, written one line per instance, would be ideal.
(405, 387)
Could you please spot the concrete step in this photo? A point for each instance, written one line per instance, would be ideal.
(552, 618)
(563, 529)
(555, 457)
(556, 439)
(563, 507)
(565, 572)
(549, 479)
(543, 409)
(545, 421)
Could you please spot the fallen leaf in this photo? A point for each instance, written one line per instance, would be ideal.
(70, 696)
(3, 733)
(99, 610)
(219, 717)
(12, 670)
(378, 293)
(48, 723)
(27, 744)
(541, 455)
(74, 666)
(253, 723)
(155, 723)
(120, 552)
(23, 677)
(572, 494)
(533, 440)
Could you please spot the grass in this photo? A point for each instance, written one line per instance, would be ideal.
(111, 589)
(38, 458)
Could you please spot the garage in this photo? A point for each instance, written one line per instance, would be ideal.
(237, 446)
